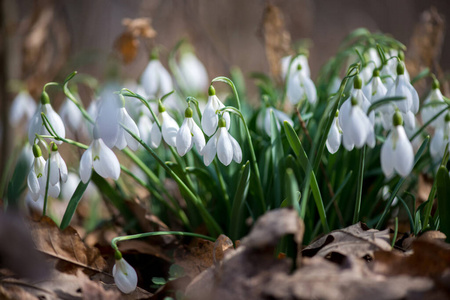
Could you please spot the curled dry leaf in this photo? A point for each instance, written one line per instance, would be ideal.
(356, 240)
(66, 246)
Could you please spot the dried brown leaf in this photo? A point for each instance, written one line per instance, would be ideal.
(66, 246)
(356, 240)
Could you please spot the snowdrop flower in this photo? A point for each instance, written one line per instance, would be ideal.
(429, 111)
(222, 143)
(145, 126)
(403, 88)
(357, 129)
(210, 118)
(124, 274)
(397, 152)
(301, 87)
(155, 79)
(58, 167)
(36, 125)
(393, 62)
(169, 129)
(23, 105)
(37, 178)
(280, 117)
(193, 72)
(440, 139)
(375, 90)
(298, 60)
(189, 134)
(71, 115)
(362, 100)
(101, 158)
(334, 135)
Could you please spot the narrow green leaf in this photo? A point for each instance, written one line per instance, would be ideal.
(384, 101)
(237, 211)
(424, 73)
(292, 191)
(73, 203)
(443, 196)
(277, 160)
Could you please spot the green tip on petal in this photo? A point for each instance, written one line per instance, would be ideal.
(45, 99)
(436, 85)
(376, 73)
(357, 83)
(397, 119)
(161, 107)
(299, 67)
(222, 122)
(54, 147)
(37, 151)
(188, 113)
(211, 91)
(118, 255)
(400, 68)
(354, 101)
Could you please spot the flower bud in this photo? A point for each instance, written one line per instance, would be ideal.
(125, 275)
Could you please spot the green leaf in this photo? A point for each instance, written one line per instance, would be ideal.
(277, 160)
(424, 73)
(17, 183)
(237, 211)
(443, 196)
(73, 203)
(383, 101)
(293, 194)
(158, 281)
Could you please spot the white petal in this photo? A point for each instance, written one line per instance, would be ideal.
(155, 136)
(209, 152)
(125, 276)
(294, 92)
(198, 137)
(54, 170)
(22, 105)
(224, 147)
(35, 125)
(334, 138)
(55, 120)
(437, 143)
(53, 190)
(62, 167)
(169, 128)
(404, 153)
(33, 184)
(86, 165)
(410, 120)
(237, 152)
(387, 157)
(267, 122)
(145, 125)
(210, 119)
(310, 90)
(106, 164)
(184, 138)
(357, 129)
(108, 120)
(129, 123)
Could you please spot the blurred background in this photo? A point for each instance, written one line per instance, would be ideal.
(45, 40)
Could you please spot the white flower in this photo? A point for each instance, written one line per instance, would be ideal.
(280, 117)
(189, 134)
(222, 143)
(37, 178)
(36, 125)
(301, 87)
(403, 88)
(169, 128)
(193, 72)
(23, 105)
(375, 90)
(210, 118)
(101, 158)
(440, 139)
(334, 135)
(125, 276)
(124, 138)
(71, 115)
(397, 152)
(357, 129)
(58, 167)
(156, 80)
(298, 60)
(145, 126)
(430, 110)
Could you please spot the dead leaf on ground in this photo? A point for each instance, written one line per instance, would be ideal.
(356, 240)
(66, 246)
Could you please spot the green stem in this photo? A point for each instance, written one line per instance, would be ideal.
(233, 87)
(156, 233)
(44, 209)
(223, 187)
(362, 157)
(428, 123)
(395, 233)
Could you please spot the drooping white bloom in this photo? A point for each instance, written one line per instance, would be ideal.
(430, 110)
(393, 62)
(36, 125)
(334, 135)
(58, 167)
(280, 117)
(403, 88)
(298, 60)
(440, 139)
(357, 129)
(193, 72)
(125, 276)
(300, 86)
(210, 118)
(169, 129)
(375, 90)
(71, 115)
(189, 134)
(397, 152)
(101, 158)
(22, 105)
(37, 178)
(124, 138)
(156, 80)
(222, 143)
(145, 126)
